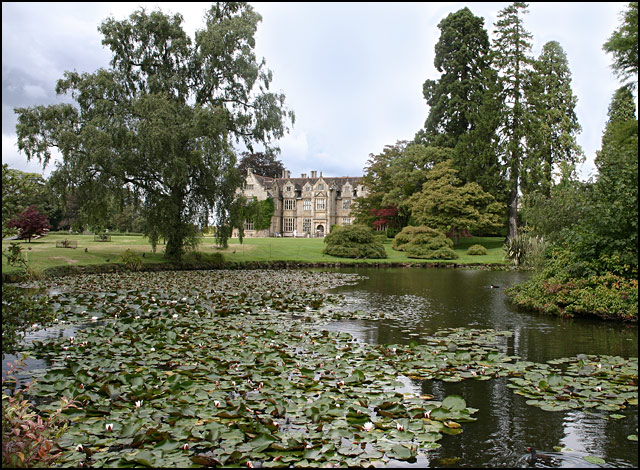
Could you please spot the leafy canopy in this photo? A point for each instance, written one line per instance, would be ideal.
(30, 223)
(444, 203)
(161, 122)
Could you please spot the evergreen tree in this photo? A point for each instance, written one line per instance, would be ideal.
(462, 103)
(462, 56)
(512, 60)
(553, 124)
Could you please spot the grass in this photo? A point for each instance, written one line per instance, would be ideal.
(43, 253)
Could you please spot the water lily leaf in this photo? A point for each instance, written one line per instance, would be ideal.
(400, 452)
(595, 460)
(454, 403)
(262, 442)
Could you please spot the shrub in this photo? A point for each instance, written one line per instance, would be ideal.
(476, 250)
(131, 260)
(525, 249)
(353, 241)
(424, 243)
(27, 438)
(606, 296)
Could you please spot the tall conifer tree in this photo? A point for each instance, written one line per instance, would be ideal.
(462, 101)
(553, 124)
(513, 61)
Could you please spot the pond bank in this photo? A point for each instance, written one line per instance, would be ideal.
(60, 271)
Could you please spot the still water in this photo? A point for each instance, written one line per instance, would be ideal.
(431, 299)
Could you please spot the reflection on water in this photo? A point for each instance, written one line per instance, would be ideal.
(427, 300)
(34, 366)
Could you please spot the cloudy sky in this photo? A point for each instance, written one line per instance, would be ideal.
(352, 72)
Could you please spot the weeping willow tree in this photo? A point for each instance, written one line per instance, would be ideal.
(162, 120)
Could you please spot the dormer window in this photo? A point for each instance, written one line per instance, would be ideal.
(288, 188)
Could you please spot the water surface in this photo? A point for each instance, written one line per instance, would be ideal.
(427, 300)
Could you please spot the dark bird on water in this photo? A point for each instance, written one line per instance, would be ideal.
(494, 287)
(86, 250)
(107, 260)
(536, 456)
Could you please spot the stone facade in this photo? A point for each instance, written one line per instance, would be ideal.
(304, 207)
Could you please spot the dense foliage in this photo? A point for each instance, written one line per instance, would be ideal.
(162, 120)
(353, 241)
(30, 223)
(476, 250)
(444, 203)
(424, 243)
(623, 44)
(592, 267)
(260, 163)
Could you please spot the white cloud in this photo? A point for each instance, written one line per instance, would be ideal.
(352, 72)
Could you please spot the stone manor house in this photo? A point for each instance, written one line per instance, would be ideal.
(304, 207)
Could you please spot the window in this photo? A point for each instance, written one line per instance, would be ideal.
(321, 204)
(289, 223)
(306, 225)
(289, 204)
(346, 221)
(346, 203)
(248, 224)
(306, 205)
(320, 187)
(249, 187)
(288, 189)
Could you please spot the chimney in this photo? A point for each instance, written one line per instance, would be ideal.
(314, 174)
(249, 171)
(284, 174)
(288, 174)
(304, 175)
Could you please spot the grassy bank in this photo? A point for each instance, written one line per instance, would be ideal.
(43, 254)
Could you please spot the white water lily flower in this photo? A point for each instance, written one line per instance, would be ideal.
(368, 426)
(152, 349)
(216, 403)
(79, 448)
(185, 447)
(399, 427)
(175, 315)
(139, 403)
(94, 318)
(108, 427)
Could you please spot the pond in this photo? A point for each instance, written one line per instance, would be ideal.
(431, 299)
(390, 367)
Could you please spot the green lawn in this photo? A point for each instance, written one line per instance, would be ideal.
(43, 253)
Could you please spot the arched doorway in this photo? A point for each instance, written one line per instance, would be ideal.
(320, 230)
